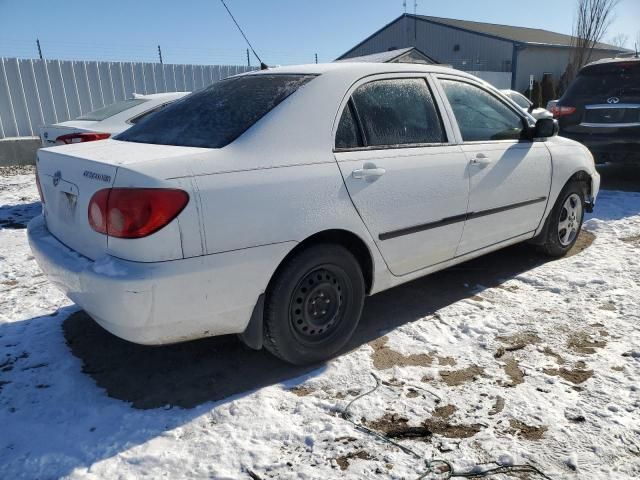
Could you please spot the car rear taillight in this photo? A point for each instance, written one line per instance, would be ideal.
(134, 212)
(559, 111)
(82, 137)
(39, 186)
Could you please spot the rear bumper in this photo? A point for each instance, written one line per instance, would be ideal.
(162, 302)
(606, 147)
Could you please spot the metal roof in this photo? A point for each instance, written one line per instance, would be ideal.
(530, 36)
(399, 55)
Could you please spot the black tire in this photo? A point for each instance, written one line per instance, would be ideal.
(557, 243)
(313, 305)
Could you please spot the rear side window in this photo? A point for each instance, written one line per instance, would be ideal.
(480, 115)
(613, 80)
(348, 135)
(398, 112)
(111, 110)
(217, 115)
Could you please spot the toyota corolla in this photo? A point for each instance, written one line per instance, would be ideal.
(272, 203)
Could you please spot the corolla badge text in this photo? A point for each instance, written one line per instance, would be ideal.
(97, 176)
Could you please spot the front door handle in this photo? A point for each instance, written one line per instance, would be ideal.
(481, 160)
(369, 171)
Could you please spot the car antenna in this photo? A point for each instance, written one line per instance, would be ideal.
(263, 66)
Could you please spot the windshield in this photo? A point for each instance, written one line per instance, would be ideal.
(111, 110)
(218, 114)
(521, 100)
(614, 80)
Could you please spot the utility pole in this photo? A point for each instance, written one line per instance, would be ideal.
(316, 58)
(248, 58)
(160, 53)
(39, 49)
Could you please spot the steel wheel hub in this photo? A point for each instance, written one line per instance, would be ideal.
(316, 305)
(570, 218)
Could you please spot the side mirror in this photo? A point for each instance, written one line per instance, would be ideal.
(531, 109)
(545, 128)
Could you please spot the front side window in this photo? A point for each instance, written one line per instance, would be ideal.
(215, 116)
(480, 115)
(397, 112)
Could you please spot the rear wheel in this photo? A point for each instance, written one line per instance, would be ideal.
(313, 304)
(565, 221)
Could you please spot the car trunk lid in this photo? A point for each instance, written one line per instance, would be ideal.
(67, 184)
(70, 175)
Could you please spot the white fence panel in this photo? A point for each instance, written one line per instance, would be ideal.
(37, 92)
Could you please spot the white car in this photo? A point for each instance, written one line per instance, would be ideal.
(271, 203)
(106, 121)
(527, 105)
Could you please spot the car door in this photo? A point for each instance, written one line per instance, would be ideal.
(509, 175)
(407, 181)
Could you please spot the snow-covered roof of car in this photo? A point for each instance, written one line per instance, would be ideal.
(357, 68)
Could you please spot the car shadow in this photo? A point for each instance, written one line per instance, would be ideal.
(35, 379)
(18, 216)
(212, 369)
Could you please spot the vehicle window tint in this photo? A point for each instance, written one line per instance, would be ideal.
(215, 116)
(111, 110)
(144, 115)
(398, 112)
(347, 135)
(480, 115)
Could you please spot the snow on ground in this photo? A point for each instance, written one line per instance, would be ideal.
(542, 367)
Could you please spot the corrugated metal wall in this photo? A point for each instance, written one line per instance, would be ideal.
(539, 60)
(38, 92)
(473, 52)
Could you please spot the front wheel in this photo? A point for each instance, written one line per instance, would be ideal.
(313, 305)
(565, 221)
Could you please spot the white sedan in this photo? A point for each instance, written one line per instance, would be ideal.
(272, 203)
(527, 105)
(106, 121)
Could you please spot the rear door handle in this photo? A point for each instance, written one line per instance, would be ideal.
(481, 160)
(369, 171)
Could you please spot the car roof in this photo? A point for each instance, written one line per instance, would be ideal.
(358, 69)
(610, 61)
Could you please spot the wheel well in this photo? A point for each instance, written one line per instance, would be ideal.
(583, 178)
(348, 240)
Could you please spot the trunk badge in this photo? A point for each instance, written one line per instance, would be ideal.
(56, 178)
(613, 100)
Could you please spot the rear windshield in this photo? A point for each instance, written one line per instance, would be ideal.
(607, 81)
(218, 114)
(111, 110)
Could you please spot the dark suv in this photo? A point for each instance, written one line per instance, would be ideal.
(601, 109)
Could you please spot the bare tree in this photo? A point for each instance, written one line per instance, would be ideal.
(620, 40)
(593, 18)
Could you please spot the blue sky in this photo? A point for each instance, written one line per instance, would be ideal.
(283, 31)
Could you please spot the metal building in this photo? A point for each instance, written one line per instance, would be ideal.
(501, 54)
